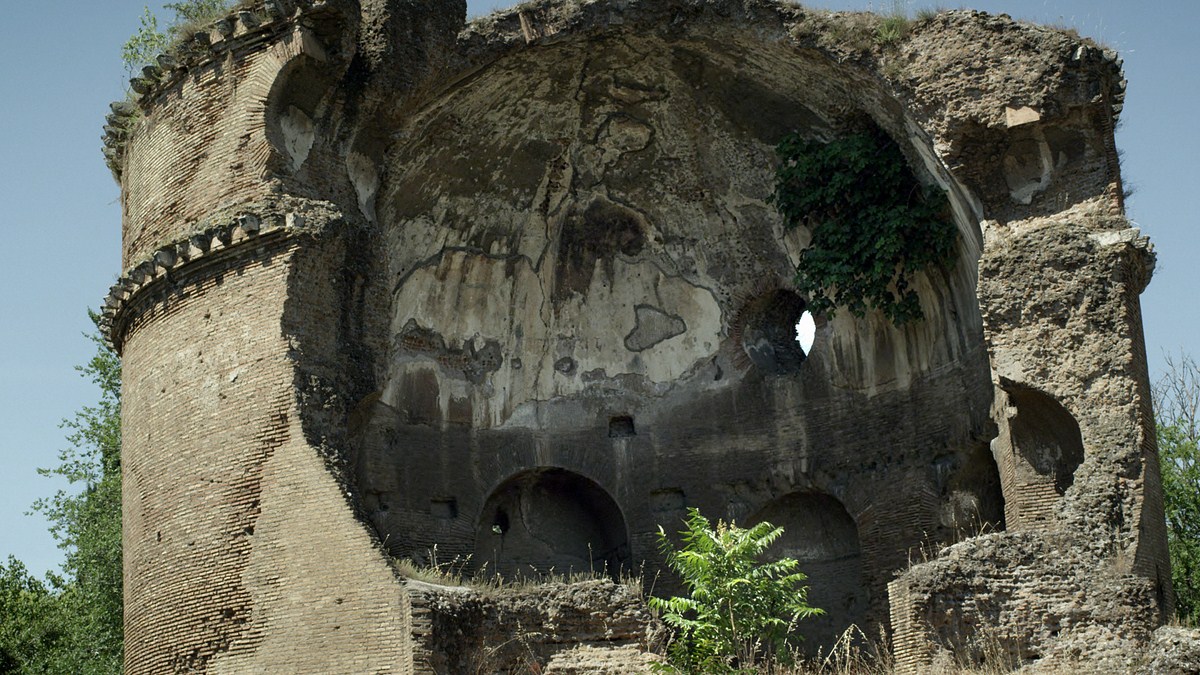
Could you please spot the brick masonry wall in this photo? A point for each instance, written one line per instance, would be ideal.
(1089, 575)
(584, 627)
(242, 553)
(1010, 598)
(202, 146)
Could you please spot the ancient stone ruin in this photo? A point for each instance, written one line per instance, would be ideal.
(513, 293)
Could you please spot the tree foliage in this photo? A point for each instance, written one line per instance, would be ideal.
(73, 623)
(31, 620)
(739, 609)
(143, 46)
(148, 42)
(1177, 406)
(873, 224)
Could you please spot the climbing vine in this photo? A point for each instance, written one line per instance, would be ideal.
(873, 225)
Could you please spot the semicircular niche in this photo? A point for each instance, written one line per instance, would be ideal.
(821, 535)
(550, 521)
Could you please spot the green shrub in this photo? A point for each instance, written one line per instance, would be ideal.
(873, 224)
(891, 29)
(740, 611)
(141, 47)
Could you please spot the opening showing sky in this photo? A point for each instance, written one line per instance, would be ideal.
(61, 230)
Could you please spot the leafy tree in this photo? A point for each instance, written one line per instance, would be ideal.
(191, 12)
(148, 42)
(873, 224)
(739, 608)
(87, 523)
(31, 619)
(141, 47)
(1177, 405)
(73, 623)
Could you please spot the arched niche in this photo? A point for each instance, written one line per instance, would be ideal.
(1046, 436)
(293, 106)
(821, 535)
(1041, 450)
(972, 499)
(550, 521)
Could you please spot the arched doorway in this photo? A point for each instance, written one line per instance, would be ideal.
(821, 535)
(550, 521)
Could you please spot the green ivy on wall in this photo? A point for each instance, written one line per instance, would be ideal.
(873, 225)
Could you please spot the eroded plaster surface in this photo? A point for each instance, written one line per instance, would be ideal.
(518, 296)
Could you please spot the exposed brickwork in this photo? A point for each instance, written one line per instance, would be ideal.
(235, 510)
(393, 288)
(1013, 598)
(182, 163)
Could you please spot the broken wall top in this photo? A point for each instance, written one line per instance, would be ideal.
(963, 79)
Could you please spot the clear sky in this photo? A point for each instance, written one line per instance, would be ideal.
(61, 220)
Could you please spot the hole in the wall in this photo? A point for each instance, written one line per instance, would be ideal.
(806, 332)
(621, 426)
(821, 535)
(551, 521)
(768, 329)
(668, 500)
(500, 522)
(972, 497)
(445, 508)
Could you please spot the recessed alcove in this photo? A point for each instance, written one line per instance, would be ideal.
(621, 426)
(550, 521)
(823, 537)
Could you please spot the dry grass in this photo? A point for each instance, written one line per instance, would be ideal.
(854, 653)
(460, 572)
(181, 33)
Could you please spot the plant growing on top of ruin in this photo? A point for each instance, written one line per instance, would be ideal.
(873, 224)
(148, 42)
(740, 610)
(891, 29)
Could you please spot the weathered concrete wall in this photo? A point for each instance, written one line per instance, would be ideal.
(516, 292)
(587, 627)
(1007, 599)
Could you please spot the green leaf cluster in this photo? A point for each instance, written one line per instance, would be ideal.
(873, 224)
(1177, 402)
(30, 620)
(148, 42)
(740, 610)
(73, 623)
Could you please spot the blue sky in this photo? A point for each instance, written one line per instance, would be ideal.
(61, 248)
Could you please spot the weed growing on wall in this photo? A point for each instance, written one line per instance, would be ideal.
(740, 612)
(148, 42)
(873, 224)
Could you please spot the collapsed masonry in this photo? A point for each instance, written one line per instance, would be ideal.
(513, 291)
